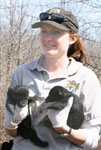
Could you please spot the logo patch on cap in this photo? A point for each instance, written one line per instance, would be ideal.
(54, 11)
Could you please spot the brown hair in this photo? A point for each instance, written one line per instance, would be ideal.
(76, 51)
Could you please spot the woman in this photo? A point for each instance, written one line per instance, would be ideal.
(62, 63)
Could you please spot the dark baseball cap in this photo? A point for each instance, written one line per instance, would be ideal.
(59, 18)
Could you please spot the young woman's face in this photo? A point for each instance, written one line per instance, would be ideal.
(55, 42)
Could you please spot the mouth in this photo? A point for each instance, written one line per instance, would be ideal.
(24, 103)
(50, 46)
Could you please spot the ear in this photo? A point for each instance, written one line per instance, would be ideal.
(10, 92)
(73, 38)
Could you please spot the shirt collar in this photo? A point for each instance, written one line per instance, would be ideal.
(72, 69)
(37, 64)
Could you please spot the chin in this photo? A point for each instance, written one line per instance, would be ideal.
(50, 53)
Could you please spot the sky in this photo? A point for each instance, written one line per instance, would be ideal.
(35, 6)
(83, 12)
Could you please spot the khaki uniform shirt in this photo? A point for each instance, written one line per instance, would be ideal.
(77, 79)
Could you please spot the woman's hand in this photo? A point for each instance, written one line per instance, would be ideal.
(11, 132)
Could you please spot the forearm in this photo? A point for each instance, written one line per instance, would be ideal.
(78, 137)
(87, 137)
(12, 132)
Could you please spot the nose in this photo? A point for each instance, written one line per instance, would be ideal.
(47, 36)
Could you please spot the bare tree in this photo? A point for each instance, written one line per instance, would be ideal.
(19, 43)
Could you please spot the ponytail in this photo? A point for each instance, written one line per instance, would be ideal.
(76, 51)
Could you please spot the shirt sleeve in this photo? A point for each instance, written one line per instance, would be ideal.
(91, 94)
(92, 137)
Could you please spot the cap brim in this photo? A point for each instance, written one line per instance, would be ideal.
(52, 23)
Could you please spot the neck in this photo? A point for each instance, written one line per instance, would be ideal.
(55, 65)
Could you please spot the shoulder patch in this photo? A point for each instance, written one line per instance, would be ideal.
(72, 86)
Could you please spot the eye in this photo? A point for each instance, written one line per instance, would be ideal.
(43, 31)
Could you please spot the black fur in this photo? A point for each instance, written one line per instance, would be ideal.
(7, 145)
(16, 96)
(19, 95)
(25, 130)
(58, 98)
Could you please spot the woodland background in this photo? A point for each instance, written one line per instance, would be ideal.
(19, 43)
